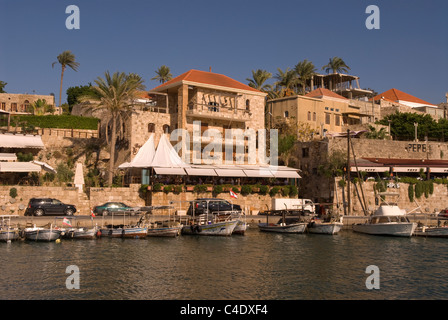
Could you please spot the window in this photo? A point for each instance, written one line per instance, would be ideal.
(151, 127)
(166, 128)
(14, 107)
(305, 152)
(3, 106)
(26, 106)
(314, 116)
(309, 115)
(327, 118)
(247, 105)
(337, 119)
(286, 114)
(213, 106)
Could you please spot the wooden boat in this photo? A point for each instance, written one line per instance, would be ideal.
(69, 231)
(7, 232)
(112, 231)
(388, 219)
(433, 231)
(123, 230)
(319, 226)
(164, 229)
(42, 233)
(286, 224)
(209, 225)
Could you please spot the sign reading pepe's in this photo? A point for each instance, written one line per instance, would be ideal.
(417, 147)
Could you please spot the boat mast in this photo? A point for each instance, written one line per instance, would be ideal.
(349, 210)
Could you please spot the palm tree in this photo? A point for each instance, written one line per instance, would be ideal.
(39, 107)
(287, 80)
(66, 59)
(337, 65)
(116, 94)
(163, 74)
(259, 77)
(305, 70)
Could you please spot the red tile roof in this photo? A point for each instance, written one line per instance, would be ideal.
(208, 78)
(397, 95)
(322, 92)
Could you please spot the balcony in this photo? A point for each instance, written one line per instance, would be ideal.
(219, 112)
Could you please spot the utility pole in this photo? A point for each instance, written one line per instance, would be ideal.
(349, 210)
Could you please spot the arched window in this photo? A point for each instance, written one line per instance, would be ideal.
(26, 106)
(166, 128)
(286, 114)
(151, 127)
(247, 104)
(309, 115)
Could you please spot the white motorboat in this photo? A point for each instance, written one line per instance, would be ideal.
(388, 219)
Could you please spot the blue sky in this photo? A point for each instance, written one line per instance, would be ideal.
(409, 51)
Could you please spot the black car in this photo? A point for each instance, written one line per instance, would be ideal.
(213, 205)
(48, 206)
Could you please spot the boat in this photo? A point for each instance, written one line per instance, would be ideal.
(7, 232)
(46, 233)
(69, 231)
(159, 227)
(388, 219)
(433, 231)
(320, 226)
(123, 230)
(286, 224)
(208, 223)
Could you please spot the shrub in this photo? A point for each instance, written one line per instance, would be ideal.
(274, 191)
(293, 191)
(177, 189)
(57, 121)
(157, 187)
(168, 189)
(13, 193)
(200, 188)
(411, 193)
(264, 189)
(246, 189)
(285, 191)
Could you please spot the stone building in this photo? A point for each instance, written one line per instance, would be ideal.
(16, 103)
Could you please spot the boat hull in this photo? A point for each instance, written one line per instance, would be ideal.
(240, 228)
(325, 227)
(111, 232)
(440, 232)
(135, 232)
(164, 231)
(386, 229)
(43, 234)
(82, 234)
(289, 228)
(224, 228)
(9, 235)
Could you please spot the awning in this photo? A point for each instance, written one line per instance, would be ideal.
(19, 167)
(44, 166)
(369, 169)
(8, 140)
(285, 174)
(8, 157)
(408, 169)
(170, 171)
(230, 172)
(259, 173)
(201, 172)
(438, 170)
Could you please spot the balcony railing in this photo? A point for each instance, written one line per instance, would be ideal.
(200, 110)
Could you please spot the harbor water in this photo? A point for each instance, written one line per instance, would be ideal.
(256, 266)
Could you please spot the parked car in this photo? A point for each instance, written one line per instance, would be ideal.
(443, 213)
(214, 205)
(112, 207)
(49, 206)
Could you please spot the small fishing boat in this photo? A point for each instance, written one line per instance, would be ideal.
(69, 231)
(7, 232)
(431, 231)
(161, 227)
(286, 224)
(209, 225)
(123, 230)
(46, 233)
(319, 226)
(388, 220)
(135, 232)
(112, 231)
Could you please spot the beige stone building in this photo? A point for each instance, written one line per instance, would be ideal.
(16, 103)
(322, 110)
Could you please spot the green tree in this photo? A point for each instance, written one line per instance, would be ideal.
(305, 70)
(163, 74)
(39, 107)
(75, 93)
(2, 86)
(65, 59)
(286, 81)
(374, 133)
(402, 126)
(117, 94)
(259, 78)
(336, 65)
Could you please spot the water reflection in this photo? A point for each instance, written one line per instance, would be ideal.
(258, 266)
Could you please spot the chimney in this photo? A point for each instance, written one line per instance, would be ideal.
(210, 70)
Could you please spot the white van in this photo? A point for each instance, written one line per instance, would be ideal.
(306, 205)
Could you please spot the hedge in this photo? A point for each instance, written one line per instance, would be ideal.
(55, 121)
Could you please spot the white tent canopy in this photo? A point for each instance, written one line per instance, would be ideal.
(166, 161)
(8, 140)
